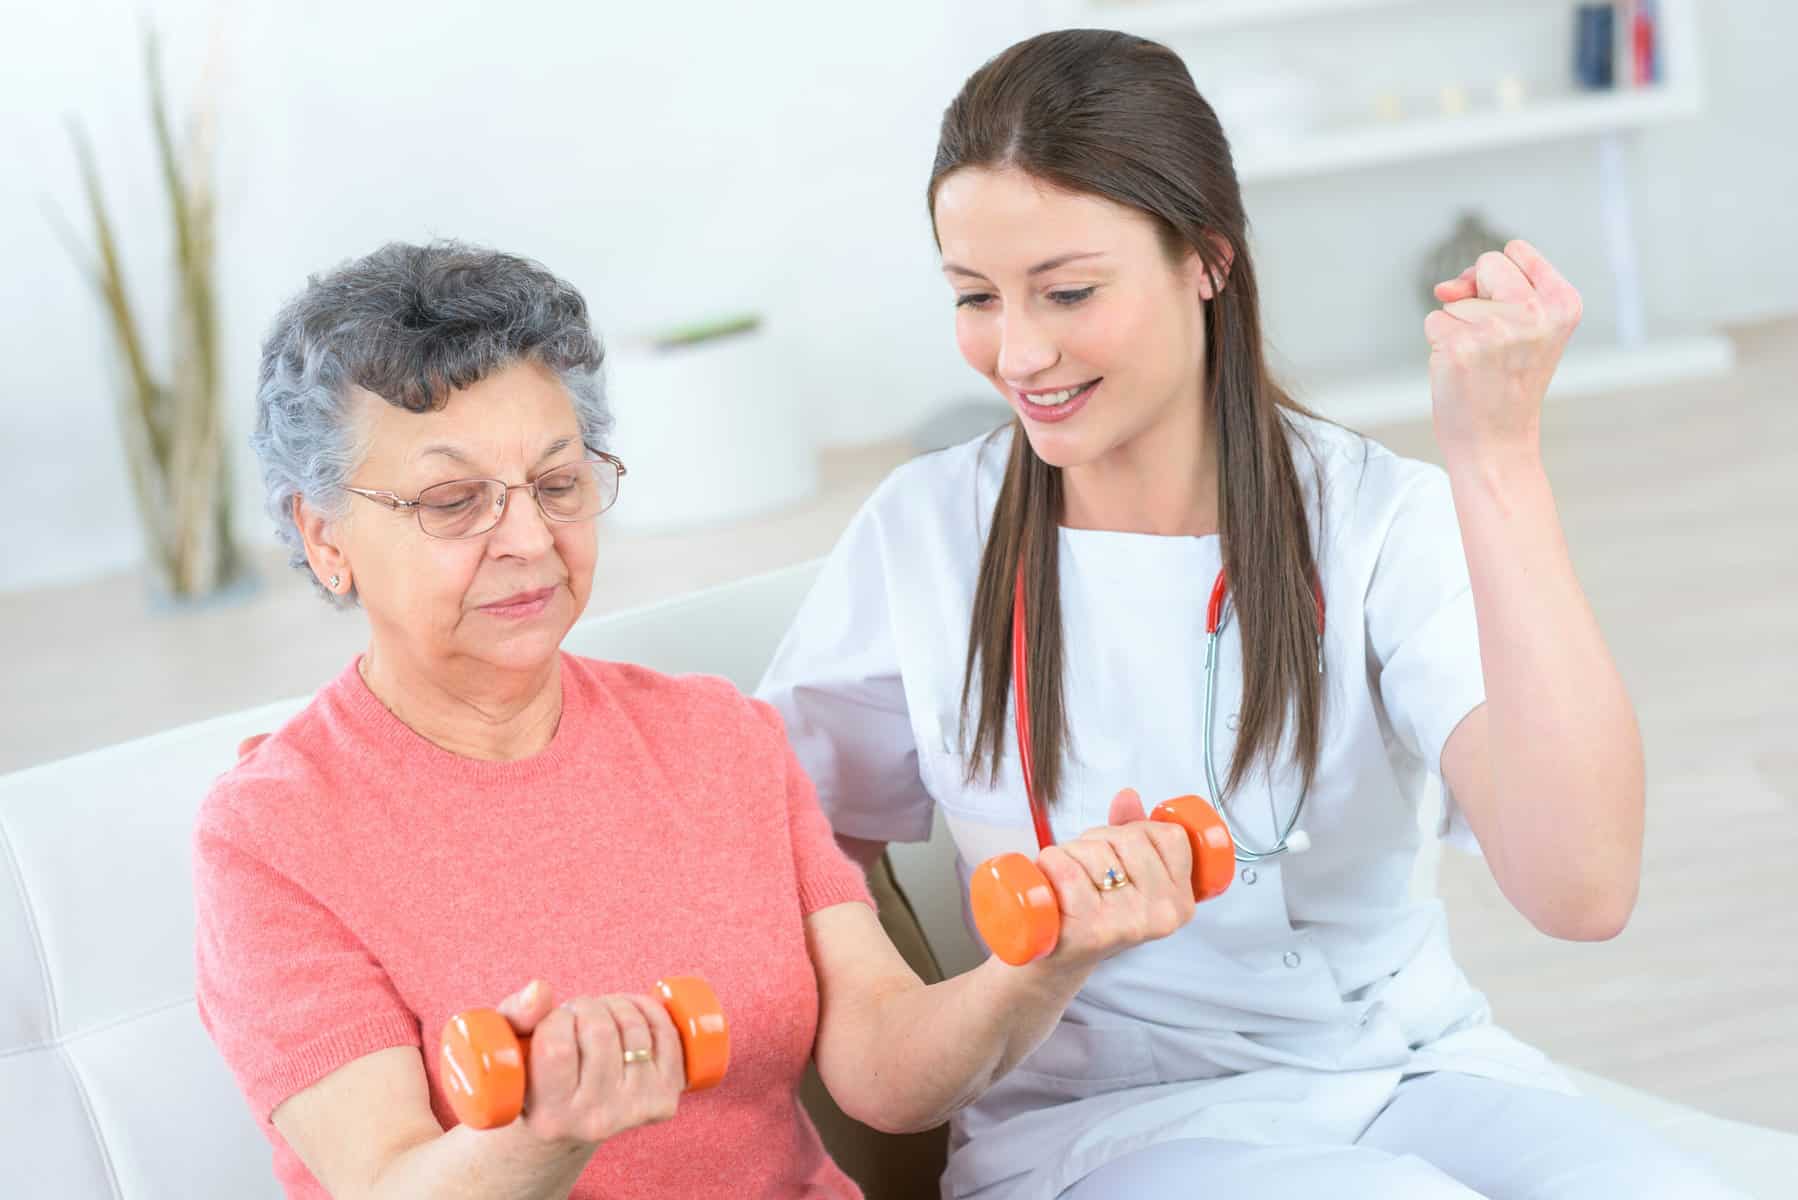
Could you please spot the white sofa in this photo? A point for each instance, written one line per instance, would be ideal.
(108, 1085)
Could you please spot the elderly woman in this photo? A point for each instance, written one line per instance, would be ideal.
(467, 813)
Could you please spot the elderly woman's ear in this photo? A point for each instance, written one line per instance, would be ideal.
(326, 557)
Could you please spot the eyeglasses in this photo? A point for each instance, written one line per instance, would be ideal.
(465, 508)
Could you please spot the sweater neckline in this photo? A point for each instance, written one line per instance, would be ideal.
(396, 737)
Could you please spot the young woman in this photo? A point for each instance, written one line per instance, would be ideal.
(1380, 625)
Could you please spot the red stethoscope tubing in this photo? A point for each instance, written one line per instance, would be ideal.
(1020, 688)
(1020, 681)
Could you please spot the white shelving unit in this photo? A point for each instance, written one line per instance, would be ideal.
(1633, 358)
(1575, 114)
(1160, 18)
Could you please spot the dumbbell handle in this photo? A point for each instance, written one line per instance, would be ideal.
(1019, 915)
(483, 1061)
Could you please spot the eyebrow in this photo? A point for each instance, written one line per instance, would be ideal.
(1060, 260)
(454, 454)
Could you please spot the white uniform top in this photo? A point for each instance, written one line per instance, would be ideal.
(1290, 1007)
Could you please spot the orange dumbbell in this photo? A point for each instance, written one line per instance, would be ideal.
(483, 1062)
(1015, 907)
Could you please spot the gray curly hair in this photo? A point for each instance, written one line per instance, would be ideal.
(410, 324)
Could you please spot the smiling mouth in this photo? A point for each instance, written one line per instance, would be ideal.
(1058, 398)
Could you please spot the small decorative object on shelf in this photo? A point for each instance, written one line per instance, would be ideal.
(1448, 258)
(706, 331)
(1454, 100)
(1645, 41)
(1510, 93)
(1594, 46)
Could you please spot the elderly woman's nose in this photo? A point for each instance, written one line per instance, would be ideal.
(522, 528)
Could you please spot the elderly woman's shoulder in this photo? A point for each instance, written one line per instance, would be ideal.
(694, 701)
(279, 775)
(632, 683)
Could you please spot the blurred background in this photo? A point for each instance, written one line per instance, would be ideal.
(685, 163)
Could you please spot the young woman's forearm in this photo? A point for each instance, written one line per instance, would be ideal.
(1565, 752)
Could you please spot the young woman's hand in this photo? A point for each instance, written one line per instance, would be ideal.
(579, 1090)
(1494, 346)
(1153, 861)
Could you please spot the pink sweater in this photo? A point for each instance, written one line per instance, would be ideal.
(355, 884)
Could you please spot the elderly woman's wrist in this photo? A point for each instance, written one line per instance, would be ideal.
(1045, 985)
(549, 1167)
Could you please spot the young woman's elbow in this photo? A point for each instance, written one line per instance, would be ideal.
(1596, 913)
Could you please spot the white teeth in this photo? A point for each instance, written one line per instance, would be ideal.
(1051, 399)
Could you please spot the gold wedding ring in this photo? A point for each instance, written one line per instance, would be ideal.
(637, 1056)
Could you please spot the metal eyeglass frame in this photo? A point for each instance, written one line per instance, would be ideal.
(397, 503)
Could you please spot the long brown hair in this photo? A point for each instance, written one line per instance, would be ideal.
(1106, 114)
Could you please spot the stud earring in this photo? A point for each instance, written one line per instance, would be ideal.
(335, 581)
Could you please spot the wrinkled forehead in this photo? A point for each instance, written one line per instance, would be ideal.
(510, 420)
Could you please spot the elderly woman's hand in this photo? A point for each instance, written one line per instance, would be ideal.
(1119, 885)
(580, 1086)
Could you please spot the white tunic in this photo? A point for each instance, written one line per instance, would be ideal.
(1290, 1007)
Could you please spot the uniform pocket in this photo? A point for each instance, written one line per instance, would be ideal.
(1095, 1053)
(1078, 1061)
(1099, 753)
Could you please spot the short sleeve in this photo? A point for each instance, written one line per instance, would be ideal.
(288, 993)
(835, 680)
(1422, 631)
(826, 875)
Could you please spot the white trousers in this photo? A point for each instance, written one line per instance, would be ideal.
(1444, 1136)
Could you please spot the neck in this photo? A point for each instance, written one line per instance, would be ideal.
(1164, 481)
(471, 709)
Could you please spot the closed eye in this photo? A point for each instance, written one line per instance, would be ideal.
(973, 300)
(1073, 297)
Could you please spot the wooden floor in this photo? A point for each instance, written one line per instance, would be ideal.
(1681, 505)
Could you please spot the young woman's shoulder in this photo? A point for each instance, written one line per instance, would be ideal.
(1362, 481)
(950, 491)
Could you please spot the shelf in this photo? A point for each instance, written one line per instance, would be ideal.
(1167, 18)
(1371, 144)
(1389, 397)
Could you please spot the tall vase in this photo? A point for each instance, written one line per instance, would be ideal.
(1455, 253)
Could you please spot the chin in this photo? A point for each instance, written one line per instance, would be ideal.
(522, 652)
(529, 645)
(1062, 447)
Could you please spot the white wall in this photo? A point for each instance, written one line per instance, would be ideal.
(682, 159)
